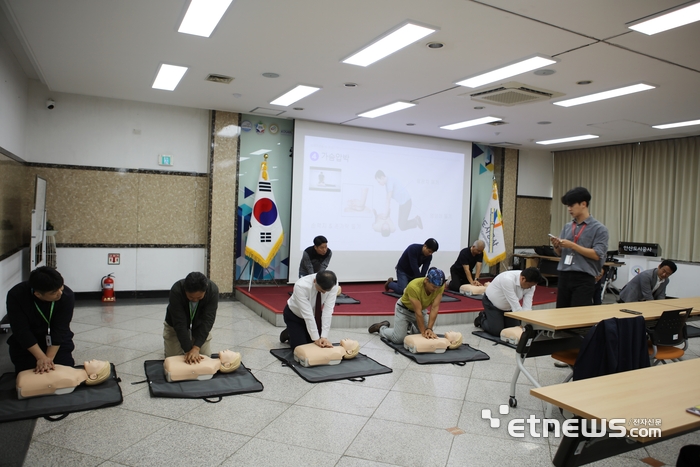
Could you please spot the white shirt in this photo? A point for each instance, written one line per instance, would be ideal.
(302, 304)
(505, 292)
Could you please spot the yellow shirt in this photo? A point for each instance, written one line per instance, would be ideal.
(415, 290)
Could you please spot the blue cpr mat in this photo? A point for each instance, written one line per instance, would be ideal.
(459, 356)
(355, 369)
(83, 398)
(240, 381)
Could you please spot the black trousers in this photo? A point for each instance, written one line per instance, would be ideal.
(493, 320)
(575, 289)
(298, 335)
(457, 279)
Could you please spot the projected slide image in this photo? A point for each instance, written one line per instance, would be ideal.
(324, 178)
(389, 196)
(357, 200)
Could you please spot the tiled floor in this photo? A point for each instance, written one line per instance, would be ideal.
(401, 418)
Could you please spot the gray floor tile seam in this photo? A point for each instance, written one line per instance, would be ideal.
(49, 446)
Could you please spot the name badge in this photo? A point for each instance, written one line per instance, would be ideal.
(569, 259)
(48, 340)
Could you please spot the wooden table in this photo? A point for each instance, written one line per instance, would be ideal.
(660, 392)
(549, 331)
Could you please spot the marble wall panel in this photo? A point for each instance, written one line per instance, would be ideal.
(167, 209)
(91, 206)
(532, 221)
(224, 181)
(15, 206)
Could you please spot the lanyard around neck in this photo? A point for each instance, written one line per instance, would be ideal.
(573, 231)
(193, 311)
(48, 321)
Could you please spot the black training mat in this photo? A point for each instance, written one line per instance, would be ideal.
(693, 331)
(240, 381)
(445, 298)
(492, 338)
(460, 294)
(343, 299)
(83, 398)
(459, 356)
(357, 367)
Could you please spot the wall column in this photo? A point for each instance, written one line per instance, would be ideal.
(223, 183)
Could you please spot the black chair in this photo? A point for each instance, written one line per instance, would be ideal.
(670, 331)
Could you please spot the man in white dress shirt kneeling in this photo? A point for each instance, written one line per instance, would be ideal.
(509, 291)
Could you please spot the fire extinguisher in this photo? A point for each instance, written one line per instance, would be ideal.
(108, 288)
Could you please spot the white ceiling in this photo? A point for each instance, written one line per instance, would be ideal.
(113, 48)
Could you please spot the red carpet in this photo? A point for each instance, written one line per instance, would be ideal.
(373, 301)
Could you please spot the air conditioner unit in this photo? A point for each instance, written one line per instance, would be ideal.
(512, 93)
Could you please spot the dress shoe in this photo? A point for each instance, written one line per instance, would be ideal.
(377, 326)
(477, 320)
(386, 284)
(284, 335)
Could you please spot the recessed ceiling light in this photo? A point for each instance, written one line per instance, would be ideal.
(599, 96)
(298, 108)
(350, 85)
(669, 19)
(468, 123)
(479, 107)
(538, 61)
(294, 95)
(676, 125)
(545, 72)
(543, 123)
(202, 17)
(387, 109)
(393, 41)
(410, 124)
(584, 82)
(567, 140)
(270, 75)
(435, 45)
(237, 95)
(169, 77)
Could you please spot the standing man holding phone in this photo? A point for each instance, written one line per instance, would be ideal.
(582, 246)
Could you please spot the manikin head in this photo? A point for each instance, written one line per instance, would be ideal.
(97, 371)
(352, 348)
(230, 361)
(455, 339)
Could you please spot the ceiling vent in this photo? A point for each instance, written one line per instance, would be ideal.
(219, 79)
(505, 144)
(512, 94)
(497, 123)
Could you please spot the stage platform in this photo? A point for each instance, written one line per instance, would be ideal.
(269, 301)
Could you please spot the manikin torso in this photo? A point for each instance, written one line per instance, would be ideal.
(61, 380)
(177, 370)
(313, 355)
(416, 343)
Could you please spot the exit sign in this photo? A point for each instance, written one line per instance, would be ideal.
(113, 258)
(165, 160)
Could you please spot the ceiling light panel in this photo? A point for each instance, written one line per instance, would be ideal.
(468, 123)
(169, 77)
(599, 96)
(202, 16)
(387, 109)
(676, 125)
(567, 140)
(389, 43)
(518, 68)
(294, 95)
(670, 20)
